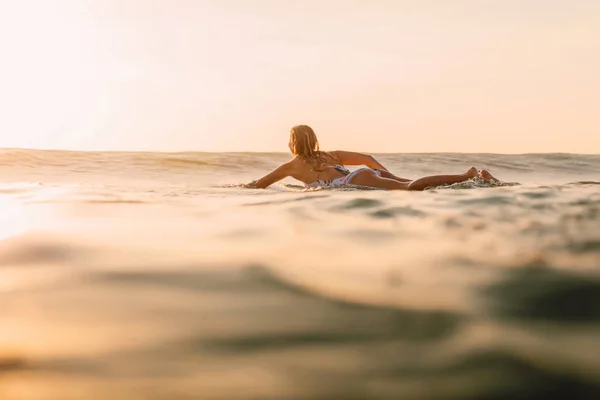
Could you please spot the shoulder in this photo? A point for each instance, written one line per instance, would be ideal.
(333, 154)
(294, 163)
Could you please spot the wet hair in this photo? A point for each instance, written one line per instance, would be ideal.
(305, 145)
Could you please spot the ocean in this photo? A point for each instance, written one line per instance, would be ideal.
(130, 275)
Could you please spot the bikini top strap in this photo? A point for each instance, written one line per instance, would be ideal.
(342, 169)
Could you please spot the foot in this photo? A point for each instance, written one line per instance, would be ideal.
(472, 173)
(486, 176)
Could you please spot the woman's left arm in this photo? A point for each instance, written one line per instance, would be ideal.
(353, 158)
(283, 171)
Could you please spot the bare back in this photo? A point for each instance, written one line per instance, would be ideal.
(305, 172)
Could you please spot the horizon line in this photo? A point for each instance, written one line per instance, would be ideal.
(282, 152)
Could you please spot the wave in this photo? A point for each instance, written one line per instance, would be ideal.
(186, 161)
(415, 164)
(585, 183)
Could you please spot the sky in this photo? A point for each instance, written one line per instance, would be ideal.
(501, 76)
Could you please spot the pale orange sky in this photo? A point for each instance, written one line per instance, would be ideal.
(506, 76)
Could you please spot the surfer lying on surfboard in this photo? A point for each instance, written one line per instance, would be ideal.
(316, 168)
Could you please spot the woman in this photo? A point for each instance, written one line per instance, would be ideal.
(316, 168)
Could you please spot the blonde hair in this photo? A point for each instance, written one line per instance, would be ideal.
(304, 144)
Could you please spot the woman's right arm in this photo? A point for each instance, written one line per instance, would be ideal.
(283, 171)
(352, 158)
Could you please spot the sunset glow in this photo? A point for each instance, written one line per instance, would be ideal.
(394, 76)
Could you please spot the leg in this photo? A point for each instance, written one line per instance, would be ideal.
(370, 179)
(438, 180)
(389, 175)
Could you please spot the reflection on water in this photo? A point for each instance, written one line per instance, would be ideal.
(214, 292)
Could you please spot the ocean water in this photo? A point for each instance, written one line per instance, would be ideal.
(156, 276)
